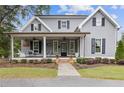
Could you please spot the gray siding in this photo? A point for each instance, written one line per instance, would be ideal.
(108, 32)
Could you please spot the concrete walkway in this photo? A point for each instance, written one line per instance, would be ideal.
(66, 69)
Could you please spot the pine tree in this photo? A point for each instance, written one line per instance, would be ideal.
(120, 51)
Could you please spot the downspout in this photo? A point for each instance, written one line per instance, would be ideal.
(84, 44)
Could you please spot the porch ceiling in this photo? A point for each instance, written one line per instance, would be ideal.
(49, 34)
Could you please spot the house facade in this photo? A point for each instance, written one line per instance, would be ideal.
(46, 36)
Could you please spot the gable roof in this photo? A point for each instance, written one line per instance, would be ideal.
(104, 12)
(33, 18)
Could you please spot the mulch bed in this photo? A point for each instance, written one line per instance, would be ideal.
(6, 64)
(85, 66)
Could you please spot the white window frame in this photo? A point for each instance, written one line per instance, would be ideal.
(70, 41)
(38, 45)
(98, 21)
(54, 46)
(100, 46)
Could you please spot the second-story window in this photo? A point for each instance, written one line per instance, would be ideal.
(32, 27)
(103, 21)
(94, 21)
(63, 24)
(35, 27)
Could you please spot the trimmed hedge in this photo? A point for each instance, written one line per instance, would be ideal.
(80, 60)
(120, 62)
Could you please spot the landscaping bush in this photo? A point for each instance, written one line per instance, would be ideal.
(89, 61)
(23, 61)
(80, 60)
(119, 51)
(97, 60)
(112, 61)
(105, 61)
(43, 61)
(30, 61)
(49, 60)
(120, 62)
(14, 61)
(36, 62)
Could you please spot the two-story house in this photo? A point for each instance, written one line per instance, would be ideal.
(46, 36)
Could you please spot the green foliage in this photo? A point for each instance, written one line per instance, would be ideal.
(80, 60)
(120, 51)
(11, 18)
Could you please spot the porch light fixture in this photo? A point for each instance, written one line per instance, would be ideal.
(64, 38)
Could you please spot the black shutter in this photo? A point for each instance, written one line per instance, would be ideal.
(39, 27)
(40, 47)
(59, 24)
(94, 21)
(103, 45)
(93, 45)
(31, 45)
(32, 27)
(103, 21)
(68, 24)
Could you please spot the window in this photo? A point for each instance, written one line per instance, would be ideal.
(64, 24)
(94, 21)
(32, 27)
(98, 22)
(103, 21)
(55, 46)
(39, 27)
(98, 45)
(72, 46)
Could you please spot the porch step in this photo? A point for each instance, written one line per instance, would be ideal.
(63, 60)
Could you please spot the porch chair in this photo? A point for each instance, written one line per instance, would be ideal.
(21, 54)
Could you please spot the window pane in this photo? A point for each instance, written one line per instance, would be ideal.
(98, 45)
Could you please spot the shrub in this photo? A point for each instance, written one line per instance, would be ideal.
(98, 60)
(89, 61)
(36, 62)
(80, 60)
(44, 61)
(120, 62)
(14, 61)
(30, 61)
(23, 61)
(119, 51)
(105, 61)
(112, 61)
(49, 60)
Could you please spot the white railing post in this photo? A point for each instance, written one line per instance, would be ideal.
(44, 47)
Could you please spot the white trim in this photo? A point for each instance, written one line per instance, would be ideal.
(44, 47)
(38, 45)
(12, 47)
(53, 46)
(102, 10)
(72, 41)
(33, 18)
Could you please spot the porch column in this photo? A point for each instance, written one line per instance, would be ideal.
(81, 47)
(12, 47)
(44, 47)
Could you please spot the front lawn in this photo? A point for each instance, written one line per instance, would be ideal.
(27, 72)
(104, 72)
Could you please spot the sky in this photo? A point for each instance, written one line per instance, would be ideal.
(116, 11)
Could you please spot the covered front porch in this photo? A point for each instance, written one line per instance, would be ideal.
(38, 45)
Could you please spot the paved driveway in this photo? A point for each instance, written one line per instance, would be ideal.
(65, 81)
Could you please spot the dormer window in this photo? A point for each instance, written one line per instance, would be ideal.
(35, 27)
(63, 24)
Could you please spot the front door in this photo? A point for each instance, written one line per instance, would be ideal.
(36, 46)
(64, 49)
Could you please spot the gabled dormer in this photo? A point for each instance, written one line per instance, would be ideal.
(35, 24)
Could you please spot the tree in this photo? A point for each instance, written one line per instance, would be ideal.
(120, 51)
(10, 18)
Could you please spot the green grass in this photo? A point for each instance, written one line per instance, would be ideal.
(26, 72)
(104, 72)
